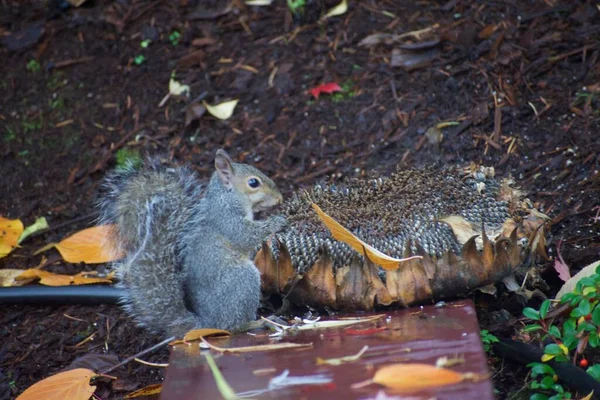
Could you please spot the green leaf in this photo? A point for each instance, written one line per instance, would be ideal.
(541, 369)
(588, 290)
(531, 328)
(596, 315)
(553, 349)
(544, 309)
(538, 396)
(558, 388)
(547, 382)
(531, 313)
(554, 331)
(585, 307)
(594, 341)
(569, 328)
(594, 371)
(588, 326)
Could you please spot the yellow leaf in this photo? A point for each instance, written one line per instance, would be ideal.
(90, 246)
(72, 385)
(337, 10)
(547, 357)
(38, 225)
(342, 234)
(51, 279)
(10, 230)
(145, 391)
(564, 349)
(196, 334)
(223, 110)
(409, 377)
(589, 396)
(8, 276)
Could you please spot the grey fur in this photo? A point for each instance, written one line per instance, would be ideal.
(188, 248)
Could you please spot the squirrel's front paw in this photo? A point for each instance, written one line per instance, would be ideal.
(277, 223)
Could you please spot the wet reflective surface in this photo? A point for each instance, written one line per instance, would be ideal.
(404, 336)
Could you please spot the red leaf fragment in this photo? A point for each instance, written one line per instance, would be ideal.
(369, 331)
(561, 266)
(325, 88)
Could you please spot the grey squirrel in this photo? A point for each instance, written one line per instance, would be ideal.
(187, 249)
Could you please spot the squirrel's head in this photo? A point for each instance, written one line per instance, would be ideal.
(260, 190)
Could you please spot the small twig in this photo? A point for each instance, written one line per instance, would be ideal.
(141, 353)
(159, 365)
(68, 63)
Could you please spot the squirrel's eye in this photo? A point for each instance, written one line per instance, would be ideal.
(253, 183)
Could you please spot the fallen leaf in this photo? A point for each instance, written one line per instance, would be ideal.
(8, 276)
(412, 60)
(410, 377)
(564, 273)
(51, 279)
(337, 10)
(94, 361)
(38, 225)
(325, 88)
(72, 385)
(569, 285)
(90, 246)
(10, 230)
(221, 111)
(196, 334)
(261, 347)
(226, 391)
(145, 391)
(342, 234)
(193, 112)
(342, 360)
(177, 89)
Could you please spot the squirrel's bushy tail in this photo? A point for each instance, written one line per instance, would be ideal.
(149, 207)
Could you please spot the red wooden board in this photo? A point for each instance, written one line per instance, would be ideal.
(429, 333)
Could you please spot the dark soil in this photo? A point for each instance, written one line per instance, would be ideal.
(522, 79)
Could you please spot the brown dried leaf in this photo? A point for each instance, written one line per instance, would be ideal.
(72, 385)
(193, 112)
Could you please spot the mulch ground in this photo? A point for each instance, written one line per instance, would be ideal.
(519, 82)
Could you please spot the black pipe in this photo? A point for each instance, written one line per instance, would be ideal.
(46, 295)
(569, 374)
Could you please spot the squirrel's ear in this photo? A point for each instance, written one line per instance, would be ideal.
(223, 166)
